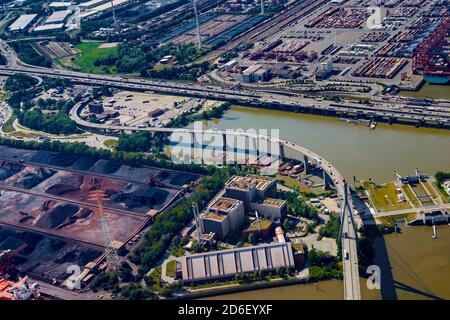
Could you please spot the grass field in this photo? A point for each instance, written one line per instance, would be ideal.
(171, 268)
(22, 134)
(89, 52)
(385, 198)
(444, 195)
(391, 219)
(411, 195)
(292, 183)
(8, 127)
(110, 143)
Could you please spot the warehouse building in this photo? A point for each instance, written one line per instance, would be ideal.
(225, 215)
(227, 263)
(92, 4)
(58, 17)
(23, 22)
(49, 27)
(59, 4)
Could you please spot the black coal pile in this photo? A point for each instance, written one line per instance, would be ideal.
(9, 169)
(57, 216)
(32, 179)
(54, 158)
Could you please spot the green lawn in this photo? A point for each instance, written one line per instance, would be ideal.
(385, 197)
(8, 127)
(444, 195)
(90, 52)
(156, 276)
(110, 143)
(171, 268)
(390, 220)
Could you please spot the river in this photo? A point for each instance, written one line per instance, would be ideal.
(419, 264)
(353, 149)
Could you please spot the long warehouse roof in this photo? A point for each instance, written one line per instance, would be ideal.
(227, 263)
(22, 22)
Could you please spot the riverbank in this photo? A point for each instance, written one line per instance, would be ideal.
(430, 91)
(354, 149)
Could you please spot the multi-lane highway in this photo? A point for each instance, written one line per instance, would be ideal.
(256, 98)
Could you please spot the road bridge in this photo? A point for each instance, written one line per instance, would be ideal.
(348, 234)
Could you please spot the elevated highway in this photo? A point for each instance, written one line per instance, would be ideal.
(253, 98)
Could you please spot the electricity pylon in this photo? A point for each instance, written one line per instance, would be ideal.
(112, 258)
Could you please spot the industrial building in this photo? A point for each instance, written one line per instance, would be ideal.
(23, 22)
(270, 208)
(92, 8)
(49, 27)
(251, 74)
(92, 4)
(225, 215)
(59, 4)
(95, 107)
(227, 263)
(250, 188)
(58, 17)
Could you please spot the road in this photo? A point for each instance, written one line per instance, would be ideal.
(441, 207)
(65, 294)
(255, 98)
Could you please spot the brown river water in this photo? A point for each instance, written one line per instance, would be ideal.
(419, 263)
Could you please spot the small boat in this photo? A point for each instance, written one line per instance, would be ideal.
(373, 125)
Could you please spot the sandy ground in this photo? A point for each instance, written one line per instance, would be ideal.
(109, 45)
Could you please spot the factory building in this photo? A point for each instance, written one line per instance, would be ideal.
(223, 216)
(22, 23)
(250, 188)
(227, 263)
(270, 208)
(248, 75)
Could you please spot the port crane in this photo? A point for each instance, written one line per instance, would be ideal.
(7, 260)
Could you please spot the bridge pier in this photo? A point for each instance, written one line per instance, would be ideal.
(326, 181)
(306, 161)
(392, 120)
(281, 151)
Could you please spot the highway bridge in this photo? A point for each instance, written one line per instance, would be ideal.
(348, 231)
(253, 98)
